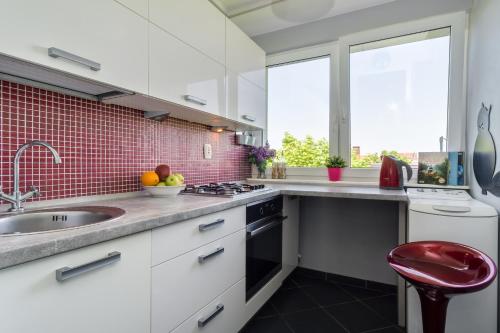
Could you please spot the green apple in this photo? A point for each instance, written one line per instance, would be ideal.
(180, 177)
(161, 184)
(171, 181)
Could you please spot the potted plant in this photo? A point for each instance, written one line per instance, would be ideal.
(260, 156)
(335, 164)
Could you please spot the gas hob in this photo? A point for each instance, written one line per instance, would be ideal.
(225, 190)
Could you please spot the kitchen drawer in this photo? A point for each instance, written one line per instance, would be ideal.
(226, 314)
(177, 71)
(173, 240)
(195, 22)
(102, 31)
(184, 285)
(112, 298)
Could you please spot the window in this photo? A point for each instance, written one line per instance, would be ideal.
(399, 96)
(398, 88)
(298, 111)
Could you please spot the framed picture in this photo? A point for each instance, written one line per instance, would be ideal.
(441, 168)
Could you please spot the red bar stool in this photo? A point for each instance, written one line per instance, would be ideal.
(439, 270)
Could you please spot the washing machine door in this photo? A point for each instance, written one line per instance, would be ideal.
(466, 313)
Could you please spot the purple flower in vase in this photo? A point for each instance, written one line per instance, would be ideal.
(260, 157)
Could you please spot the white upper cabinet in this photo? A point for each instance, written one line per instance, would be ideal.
(183, 75)
(110, 293)
(196, 22)
(243, 56)
(138, 6)
(247, 102)
(106, 41)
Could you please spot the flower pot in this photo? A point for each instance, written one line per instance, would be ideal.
(334, 174)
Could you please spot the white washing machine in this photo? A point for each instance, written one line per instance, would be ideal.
(452, 215)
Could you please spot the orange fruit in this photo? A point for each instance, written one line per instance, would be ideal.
(150, 178)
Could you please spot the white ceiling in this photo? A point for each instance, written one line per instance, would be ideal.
(257, 17)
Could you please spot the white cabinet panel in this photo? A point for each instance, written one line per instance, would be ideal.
(243, 56)
(184, 285)
(113, 298)
(196, 22)
(227, 310)
(290, 235)
(99, 30)
(173, 240)
(178, 70)
(247, 102)
(138, 6)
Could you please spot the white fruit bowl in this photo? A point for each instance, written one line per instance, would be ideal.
(164, 191)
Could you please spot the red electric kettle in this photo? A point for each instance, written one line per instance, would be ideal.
(391, 173)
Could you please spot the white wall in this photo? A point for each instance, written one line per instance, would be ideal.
(349, 237)
(330, 29)
(484, 81)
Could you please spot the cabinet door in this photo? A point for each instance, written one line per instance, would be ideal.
(102, 31)
(224, 314)
(243, 56)
(290, 235)
(185, 284)
(177, 71)
(247, 102)
(195, 22)
(112, 298)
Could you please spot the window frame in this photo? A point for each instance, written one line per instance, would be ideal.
(456, 115)
(339, 117)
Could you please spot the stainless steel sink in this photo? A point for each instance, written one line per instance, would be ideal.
(44, 220)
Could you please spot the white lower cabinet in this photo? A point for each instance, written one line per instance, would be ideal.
(226, 314)
(113, 297)
(186, 284)
(181, 74)
(290, 235)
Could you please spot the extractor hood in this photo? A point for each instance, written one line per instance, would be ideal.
(23, 72)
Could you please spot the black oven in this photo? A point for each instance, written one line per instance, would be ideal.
(264, 243)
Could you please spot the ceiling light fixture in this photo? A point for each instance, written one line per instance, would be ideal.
(302, 11)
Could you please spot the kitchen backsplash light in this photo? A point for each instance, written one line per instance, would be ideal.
(104, 148)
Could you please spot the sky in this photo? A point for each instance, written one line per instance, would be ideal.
(399, 97)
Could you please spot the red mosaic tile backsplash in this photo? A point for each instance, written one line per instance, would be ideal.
(104, 148)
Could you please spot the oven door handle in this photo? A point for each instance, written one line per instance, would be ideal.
(275, 222)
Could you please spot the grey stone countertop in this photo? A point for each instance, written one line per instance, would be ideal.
(145, 213)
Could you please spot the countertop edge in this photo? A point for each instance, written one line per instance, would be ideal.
(105, 232)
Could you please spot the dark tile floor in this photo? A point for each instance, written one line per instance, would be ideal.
(307, 303)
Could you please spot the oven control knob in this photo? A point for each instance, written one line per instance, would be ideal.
(273, 207)
(261, 210)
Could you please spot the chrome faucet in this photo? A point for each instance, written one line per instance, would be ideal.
(17, 198)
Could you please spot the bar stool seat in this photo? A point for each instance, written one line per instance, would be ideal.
(439, 270)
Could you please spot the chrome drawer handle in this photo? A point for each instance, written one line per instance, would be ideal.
(204, 257)
(203, 321)
(195, 99)
(207, 226)
(249, 117)
(58, 53)
(66, 273)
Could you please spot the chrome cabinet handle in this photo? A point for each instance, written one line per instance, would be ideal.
(58, 53)
(66, 273)
(207, 226)
(203, 321)
(205, 257)
(249, 117)
(195, 99)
